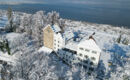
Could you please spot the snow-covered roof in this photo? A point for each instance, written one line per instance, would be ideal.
(68, 35)
(90, 44)
(45, 49)
(56, 28)
(72, 46)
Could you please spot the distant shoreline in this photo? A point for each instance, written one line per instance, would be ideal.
(85, 22)
(116, 16)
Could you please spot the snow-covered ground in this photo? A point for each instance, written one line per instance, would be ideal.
(11, 59)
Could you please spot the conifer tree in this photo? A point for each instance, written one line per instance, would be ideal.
(10, 18)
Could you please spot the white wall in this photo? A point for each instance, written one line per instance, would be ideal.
(89, 53)
(58, 41)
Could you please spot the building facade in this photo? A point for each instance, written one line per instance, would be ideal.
(52, 37)
(48, 37)
(85, 53)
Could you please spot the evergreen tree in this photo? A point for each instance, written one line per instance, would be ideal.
(125, 41)
(10, 18)
(119, 39)
(7, 47)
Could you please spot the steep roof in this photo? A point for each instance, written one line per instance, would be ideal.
(90, 44)
(72, 46)
(54, 27)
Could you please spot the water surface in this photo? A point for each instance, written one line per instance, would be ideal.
(113, 13)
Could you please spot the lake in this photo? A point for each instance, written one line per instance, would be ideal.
(114, 14)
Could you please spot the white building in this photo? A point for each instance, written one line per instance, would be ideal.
(88, 53)
(59, 40)
(84, 52)
(53, 38)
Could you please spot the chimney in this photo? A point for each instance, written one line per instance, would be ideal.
(91, 37)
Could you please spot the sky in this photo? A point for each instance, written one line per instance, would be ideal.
(99, 2)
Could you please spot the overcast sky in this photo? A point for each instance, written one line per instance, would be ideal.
(69, 1)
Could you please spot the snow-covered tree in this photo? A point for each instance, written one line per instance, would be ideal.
(52, 17)
(10, 18)
(83, 74)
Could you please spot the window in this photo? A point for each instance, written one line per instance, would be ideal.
(89, 73)
(48, 30)
(86, 61)
(74, 52)
(58, 41)
(91, 63)
(58, 46)
(91, 69)
(86, 56)
(81, 48)
(87, 50)
(80, 54)
(94, 52)
(85, 66)
(93, 58)
(79, 59)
